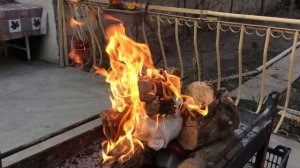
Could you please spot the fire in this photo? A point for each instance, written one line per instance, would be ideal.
(74, 1)
(76, 57)
(79, 47)
(130, 62)
(73, 23)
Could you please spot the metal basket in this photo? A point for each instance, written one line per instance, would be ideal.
(276, 158)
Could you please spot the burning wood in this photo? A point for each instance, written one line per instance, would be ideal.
(221, 121)
(158, 99)
(203, 156)
(147, 102)
(148, 109)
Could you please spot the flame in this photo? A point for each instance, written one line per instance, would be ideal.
(111, 18)
(130, 62)
(76, 57)
(73, 23)
(74, 1)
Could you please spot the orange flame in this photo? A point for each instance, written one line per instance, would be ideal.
(73, 23)
(74, 1)
(112, 19)
(131, 62)
(76, 57)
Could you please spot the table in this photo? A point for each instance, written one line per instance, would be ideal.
(19, 21)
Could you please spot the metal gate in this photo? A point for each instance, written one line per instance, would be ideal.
(194, 19)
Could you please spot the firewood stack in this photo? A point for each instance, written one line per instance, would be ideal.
(207, 136)
(222, 118)
(193, 131)
(158, 103)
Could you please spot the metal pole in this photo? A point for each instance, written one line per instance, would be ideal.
(231, 6)
(292, 6)
(0, 160)
(28, 49)
(262, 7)
(252, 17)
(146, 9)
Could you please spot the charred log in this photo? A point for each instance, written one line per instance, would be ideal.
(203, 156)
(158, 98)
(220, 122)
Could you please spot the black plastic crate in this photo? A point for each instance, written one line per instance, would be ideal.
(276, 158)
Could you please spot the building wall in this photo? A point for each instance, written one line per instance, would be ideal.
(46, 47)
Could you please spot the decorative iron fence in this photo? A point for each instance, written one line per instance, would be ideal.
(90, 12)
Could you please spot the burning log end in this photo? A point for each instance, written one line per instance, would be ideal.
(220, 122)
(154, 94)
(110, 121)
(149, 90)
(202, 92)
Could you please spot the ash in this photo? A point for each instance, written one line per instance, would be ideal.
(249, 136)
(88, 158)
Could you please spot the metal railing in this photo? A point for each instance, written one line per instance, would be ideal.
(178, 17)
(194, 19)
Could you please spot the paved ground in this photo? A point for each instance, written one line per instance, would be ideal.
(295, 146)
(277, 78)
(40, 98)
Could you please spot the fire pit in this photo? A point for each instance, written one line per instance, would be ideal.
(251, 138)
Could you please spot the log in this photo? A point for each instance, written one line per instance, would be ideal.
(152, 93)
(149, 90)
(111, 126)
(147, 87)
(159, 106)
(156, 132)
(202, 157)
(111, 123)
(220, 122)
(202, 92)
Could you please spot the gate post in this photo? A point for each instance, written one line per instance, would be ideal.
(292, 6)
(262, 7)
(0, 160)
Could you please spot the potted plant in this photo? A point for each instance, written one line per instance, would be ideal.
(127, 13)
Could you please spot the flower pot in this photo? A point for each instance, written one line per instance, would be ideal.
(126, 16)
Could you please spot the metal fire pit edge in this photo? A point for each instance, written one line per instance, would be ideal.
(50, 157)
(259, 144)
